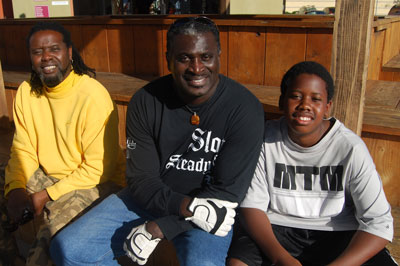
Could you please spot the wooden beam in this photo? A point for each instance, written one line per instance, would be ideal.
(350, 50)
(4, 117)
(224, 7)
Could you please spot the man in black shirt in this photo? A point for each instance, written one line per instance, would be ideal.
(193, 140)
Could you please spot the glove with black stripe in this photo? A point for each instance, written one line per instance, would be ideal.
(139, 244)
(213, 215)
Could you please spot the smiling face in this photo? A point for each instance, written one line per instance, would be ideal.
(305, 105)
(50, 57)
(194, 64)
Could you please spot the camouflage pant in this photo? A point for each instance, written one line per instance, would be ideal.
(58, 213)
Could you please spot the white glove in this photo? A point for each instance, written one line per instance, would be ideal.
(213, 215)
(139, 245)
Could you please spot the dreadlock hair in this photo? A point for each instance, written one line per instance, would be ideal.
(191, 26)
(306, 67)
(77, 63)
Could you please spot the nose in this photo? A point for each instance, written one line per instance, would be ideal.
(304, 104)
(46, 55)
(196, 65)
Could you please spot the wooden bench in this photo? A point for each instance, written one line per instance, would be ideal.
(381, 132)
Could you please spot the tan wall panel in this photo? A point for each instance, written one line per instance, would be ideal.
(246, 54)
(95, 51)
(121, 49)
(319, 46)
(285, 47)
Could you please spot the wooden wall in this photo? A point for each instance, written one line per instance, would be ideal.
(385, 45)
(253, 51)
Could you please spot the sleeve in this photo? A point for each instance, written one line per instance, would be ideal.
(234, 167)
(100, 149)
(23, 158)
(143, 163)
(373, 212)
(257, 195)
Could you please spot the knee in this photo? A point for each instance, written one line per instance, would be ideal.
(64, 250)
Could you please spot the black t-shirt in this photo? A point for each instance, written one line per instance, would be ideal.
(169, 158)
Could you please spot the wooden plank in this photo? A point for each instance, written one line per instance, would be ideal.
(381, 119)
(164, 50)
(384, 151)
(375, 59)
(384, 93)
(121, 49)
(319, 46)
(350, 48)
(224, 40)
(284, 48)
(95, 52)
(246, 54)
(386, 56)
(393, 65)
(4, 117)
(76, 38)
(148, 50)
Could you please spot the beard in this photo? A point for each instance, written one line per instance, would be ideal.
(53, 81)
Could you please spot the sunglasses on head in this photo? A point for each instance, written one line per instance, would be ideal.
(201, 20)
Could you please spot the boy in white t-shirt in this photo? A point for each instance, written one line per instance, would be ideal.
(316, 197)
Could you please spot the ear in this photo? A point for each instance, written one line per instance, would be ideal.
(328, 109)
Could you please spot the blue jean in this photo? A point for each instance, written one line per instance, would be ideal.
(97, 237)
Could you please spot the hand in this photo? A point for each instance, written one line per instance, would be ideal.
(39, 200)
(139, 244)
(213, 215)
(18, 202)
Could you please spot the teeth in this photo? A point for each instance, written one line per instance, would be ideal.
(304, 118)
(49, 67)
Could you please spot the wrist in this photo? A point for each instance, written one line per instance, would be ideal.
(184, 208)
(155, 231)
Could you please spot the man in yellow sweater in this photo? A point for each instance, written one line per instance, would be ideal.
(65, 148)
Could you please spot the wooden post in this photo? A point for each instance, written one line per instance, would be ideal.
(4, 117)
(224, 7)
(350, 51)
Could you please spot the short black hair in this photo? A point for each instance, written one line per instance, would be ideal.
(190, 26)
(78, 65)
(306, 67)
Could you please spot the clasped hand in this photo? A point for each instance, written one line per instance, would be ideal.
(139, 244)
(213, 215)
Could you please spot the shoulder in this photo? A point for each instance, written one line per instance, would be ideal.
(237, 91)
(345, 137)
(158, 90)
(94, 91)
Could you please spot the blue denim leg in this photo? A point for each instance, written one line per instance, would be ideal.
(97, 237)
(199, 248)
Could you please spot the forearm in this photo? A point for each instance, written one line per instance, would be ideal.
(361, 248)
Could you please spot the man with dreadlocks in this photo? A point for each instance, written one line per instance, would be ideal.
(65, 151)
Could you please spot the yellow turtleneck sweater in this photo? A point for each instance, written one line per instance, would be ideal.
(71, 132)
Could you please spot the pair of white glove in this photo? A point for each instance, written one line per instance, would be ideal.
(212, 215)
